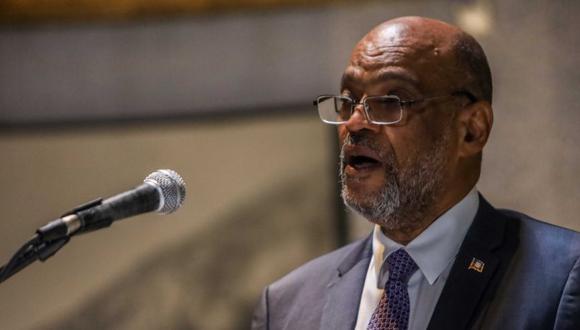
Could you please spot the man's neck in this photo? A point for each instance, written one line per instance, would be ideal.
(406, 234)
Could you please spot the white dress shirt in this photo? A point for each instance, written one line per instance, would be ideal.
(433, 251)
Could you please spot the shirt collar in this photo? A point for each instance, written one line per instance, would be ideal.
(435, 248)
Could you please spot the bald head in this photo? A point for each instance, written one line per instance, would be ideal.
(402, 175)
(453, 58)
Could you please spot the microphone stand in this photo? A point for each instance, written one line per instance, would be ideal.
(43, 245)
(34, 249)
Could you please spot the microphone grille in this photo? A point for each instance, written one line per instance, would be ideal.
(172, 188)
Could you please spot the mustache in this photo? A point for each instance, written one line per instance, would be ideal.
(386, 157)
(363, 141)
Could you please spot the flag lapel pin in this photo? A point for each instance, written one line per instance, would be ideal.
(476, 265)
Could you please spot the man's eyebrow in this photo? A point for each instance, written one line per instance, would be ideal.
(348, 78)
(394, 75)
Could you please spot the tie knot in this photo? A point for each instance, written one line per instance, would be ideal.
(401, 266)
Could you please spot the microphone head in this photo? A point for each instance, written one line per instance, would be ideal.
(171, 187)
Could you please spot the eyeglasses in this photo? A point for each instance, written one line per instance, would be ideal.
(379, 110)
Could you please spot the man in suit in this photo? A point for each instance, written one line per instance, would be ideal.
(413, 117)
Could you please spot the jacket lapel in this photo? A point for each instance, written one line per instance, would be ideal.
(480, 264)
(344, 291)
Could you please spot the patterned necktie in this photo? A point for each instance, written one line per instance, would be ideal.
(392, 313)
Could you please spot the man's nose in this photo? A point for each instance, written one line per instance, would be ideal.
(358, 121)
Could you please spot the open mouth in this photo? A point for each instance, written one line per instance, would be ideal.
(361, 158)
(360, 162)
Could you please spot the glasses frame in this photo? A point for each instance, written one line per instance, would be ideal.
(403, 104)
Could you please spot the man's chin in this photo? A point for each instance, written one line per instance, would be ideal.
(364, 187)
(386, 222)
(362, 202)
(358, 195)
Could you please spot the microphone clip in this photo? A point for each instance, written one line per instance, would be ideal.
(84, 206)
(66, 224)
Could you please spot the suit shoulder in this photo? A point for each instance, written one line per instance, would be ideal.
(536, 224)
(322, 268)
(296, 301)
(544, 234)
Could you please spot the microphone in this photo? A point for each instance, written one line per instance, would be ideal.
(162, 191)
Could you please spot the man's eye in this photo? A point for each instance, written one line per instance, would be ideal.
(348, 95)
(384, 104)
(402, 94)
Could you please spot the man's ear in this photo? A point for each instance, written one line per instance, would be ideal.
(475, 121)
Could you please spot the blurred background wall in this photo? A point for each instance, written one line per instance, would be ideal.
(94, 98)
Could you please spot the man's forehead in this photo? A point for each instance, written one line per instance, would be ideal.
(354, 75)
(402, 49)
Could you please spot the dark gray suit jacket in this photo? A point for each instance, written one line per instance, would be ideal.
(531, 280)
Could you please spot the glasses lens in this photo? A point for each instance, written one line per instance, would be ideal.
(384, 109)
(334, 109)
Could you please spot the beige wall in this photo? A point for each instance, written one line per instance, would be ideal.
(243, 166)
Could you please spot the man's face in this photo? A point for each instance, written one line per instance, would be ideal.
(393, 175)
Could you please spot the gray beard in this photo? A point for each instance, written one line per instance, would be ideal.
(407, 195)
